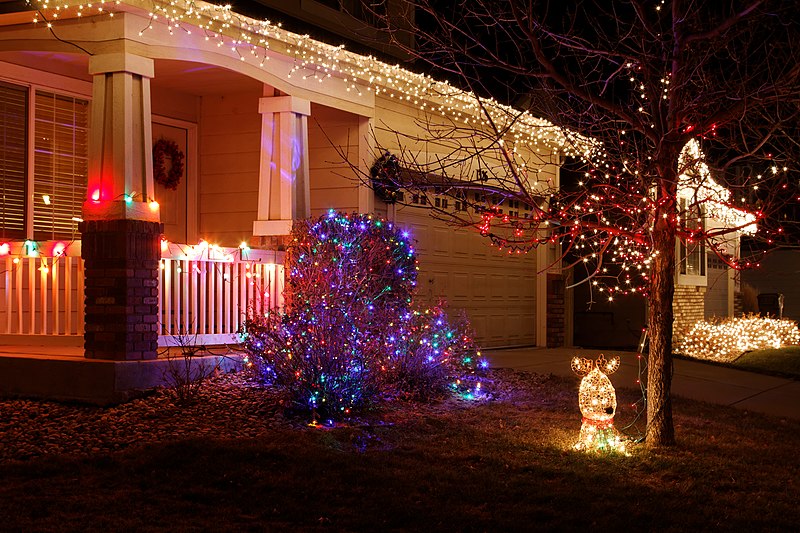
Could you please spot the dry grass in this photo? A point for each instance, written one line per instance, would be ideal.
(502, 465)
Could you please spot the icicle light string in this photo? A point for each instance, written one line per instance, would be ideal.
(313, 59)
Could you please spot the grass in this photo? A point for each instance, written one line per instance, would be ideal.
(781, 361)
(504, 465)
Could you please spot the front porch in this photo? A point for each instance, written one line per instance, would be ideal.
(62, 373)
(205, 293)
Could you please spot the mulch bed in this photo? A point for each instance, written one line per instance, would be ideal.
(227, 406)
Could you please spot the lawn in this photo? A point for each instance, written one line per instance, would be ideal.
(233, 462)
(780, 361)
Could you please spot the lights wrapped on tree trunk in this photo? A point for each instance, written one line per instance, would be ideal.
(598, 402)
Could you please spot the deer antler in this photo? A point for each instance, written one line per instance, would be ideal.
(581, 366)
(607, 367)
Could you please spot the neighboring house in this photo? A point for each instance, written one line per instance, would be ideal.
(263, 119)
(778, 273)
(705, 285)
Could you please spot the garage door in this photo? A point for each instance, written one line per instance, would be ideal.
(496, 290)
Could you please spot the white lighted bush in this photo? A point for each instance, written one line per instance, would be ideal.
(726, 339)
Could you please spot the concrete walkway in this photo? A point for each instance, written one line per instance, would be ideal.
(698, 381)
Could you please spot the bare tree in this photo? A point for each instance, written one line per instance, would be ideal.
(633, 90)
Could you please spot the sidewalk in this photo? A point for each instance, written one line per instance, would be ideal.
(698, 381)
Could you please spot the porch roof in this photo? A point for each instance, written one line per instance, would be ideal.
(261, 43)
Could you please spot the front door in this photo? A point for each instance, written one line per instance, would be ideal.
(173, 201)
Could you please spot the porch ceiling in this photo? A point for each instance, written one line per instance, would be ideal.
(187, 77)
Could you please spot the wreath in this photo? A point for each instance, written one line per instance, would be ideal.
(166, 149)
(385, 173)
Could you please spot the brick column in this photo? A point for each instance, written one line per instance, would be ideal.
(121, 232)
(121, 288)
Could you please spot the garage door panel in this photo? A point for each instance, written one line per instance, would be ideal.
(460, 286)
(528, 287)
(497, 328)
(461, 245)
(478, 321)
(419, 234)
(478, 286)
(513, 286)
(496, 290)
(441, 241)
(441, 284)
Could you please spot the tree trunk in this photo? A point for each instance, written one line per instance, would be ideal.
(660, 431)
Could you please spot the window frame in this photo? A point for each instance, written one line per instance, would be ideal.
(683, 251)
(36, 80)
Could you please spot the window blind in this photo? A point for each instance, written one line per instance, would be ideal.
(60, 164)
(13, 159)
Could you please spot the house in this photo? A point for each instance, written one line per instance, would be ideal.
(154, 157)
(777, 274)
(705, 284)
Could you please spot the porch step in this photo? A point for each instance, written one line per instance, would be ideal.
(29, 373)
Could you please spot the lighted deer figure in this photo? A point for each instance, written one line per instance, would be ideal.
(598, 402)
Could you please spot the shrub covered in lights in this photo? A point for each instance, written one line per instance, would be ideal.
(726, 339)
(430, 354)
(348, 335)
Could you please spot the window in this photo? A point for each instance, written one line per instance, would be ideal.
(692, 255)
(57, 139)
(13, 159)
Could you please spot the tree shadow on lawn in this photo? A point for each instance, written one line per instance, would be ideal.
(502, 465)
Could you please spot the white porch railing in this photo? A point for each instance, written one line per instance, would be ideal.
(205, 292)
(42, 290)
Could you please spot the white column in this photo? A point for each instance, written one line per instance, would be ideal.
(120, 181)
(731, 278)
(284, 194)
(542, 260)
(366, 155)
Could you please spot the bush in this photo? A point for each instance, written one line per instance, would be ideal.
(348, 335)
(433, 355)
(726, 339)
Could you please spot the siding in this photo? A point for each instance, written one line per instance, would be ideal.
(332, 182)
(230, 136)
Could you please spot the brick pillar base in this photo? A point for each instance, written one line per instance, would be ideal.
(121, 288)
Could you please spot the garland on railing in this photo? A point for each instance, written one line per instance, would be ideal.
(162, 149)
